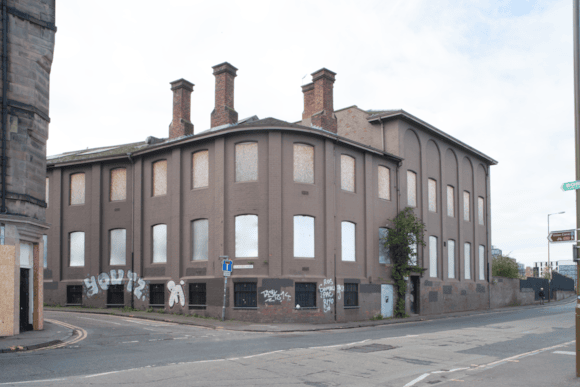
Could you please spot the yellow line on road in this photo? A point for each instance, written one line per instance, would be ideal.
(80, 334)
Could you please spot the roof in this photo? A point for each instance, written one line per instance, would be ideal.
(96, 153)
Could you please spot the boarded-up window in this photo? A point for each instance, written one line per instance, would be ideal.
(160, 178)
(303, 163)
(200, 169)
(432, 256)
(26, 254)
(45, 252)
(481, 262)
(451, 258)
(411, 189)
(77, 248)
(467, 258)
(246, 236)
(77, 188)
(46, 192)
(466, 199)
(160, 243)
(247, 161)
(118, 184)
(347, 177)
(414, 250)
(384, 183)
(200, 230)
(480, 210)
(450, 201)
(118, 246)
(303, 236)
(384, 256)
(348, 241)
(432, 195)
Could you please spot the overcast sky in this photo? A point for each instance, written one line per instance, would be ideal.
(497, 75)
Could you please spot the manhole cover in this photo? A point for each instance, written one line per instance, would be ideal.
(370, 348)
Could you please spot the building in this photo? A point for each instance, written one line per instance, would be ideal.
(529, 272)
(542, 267)
(28, 33)
(299, 207)
(521, 269)
(495, 252)
(569, 269)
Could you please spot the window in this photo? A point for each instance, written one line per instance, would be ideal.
(303, 163)
(115, 295)
(26, 254)
(200, 169)
(118, 240)
(303, 236)
(347, 177)
(77, 248)
(77, 188)
(480, 210)
(157, 295)
(482, 262)
(384, 256)
(246, 236)
(411, 189)
(432, 256)
(432, 185)
(450, 201)
(247, 161)
(384, 183)
(46, 191)
(350, 295)
(45, 244)
(160, 178)
(467, 257)
(305, 295)
(245, 295)
(199, 238)
(413, 247)
(74, 294)
(197, 296)
(160, 243)
(451, 258)
(118, 189)
(348, 241)
(466, 198)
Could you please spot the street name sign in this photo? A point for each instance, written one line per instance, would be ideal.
(562, 236)
(573, 185)
(243, 266)
(227, 268)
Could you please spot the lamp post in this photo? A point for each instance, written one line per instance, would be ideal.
(550, 267)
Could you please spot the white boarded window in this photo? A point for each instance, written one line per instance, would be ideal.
(26, 254)
(160, 178)
(77, 248)
(467, 257)
(481, 262)
(413, 247)
(77, 188)
(432, 256)
(347, 234)
(118, 238)
(480, 210)
(411, 189)
(118, 188)
(450, 201)
(432, 195)
(347, 177)
(451, 258)
(303, 236)
(384, 256)
(247, 162)
(466, 199)
(200, 169)
(46, 191)
(384, 183)
(200, 231)
(246, 236)
(160, 243)
(303, 163)
(45, 252)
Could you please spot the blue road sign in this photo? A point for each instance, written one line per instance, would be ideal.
(227, 266)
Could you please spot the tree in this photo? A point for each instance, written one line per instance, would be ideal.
(407, 230)
(547, 272)
(504, 266)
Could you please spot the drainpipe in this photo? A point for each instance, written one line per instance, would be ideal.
(132, 228)
(4, 100)
(487, 228)
(335, 211)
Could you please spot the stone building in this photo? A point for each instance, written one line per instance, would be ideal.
(28, 32)
(299, 207)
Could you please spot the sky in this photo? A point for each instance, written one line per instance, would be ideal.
(497, 75)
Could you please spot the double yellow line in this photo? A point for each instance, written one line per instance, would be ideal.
(79, 335)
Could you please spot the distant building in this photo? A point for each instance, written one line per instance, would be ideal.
(569, 269)
(529, 272)
(543, 266)
(521, 269)
(495, 252)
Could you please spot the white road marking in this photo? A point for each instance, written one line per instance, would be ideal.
(128, 342)
(265, 353)
(414, 381)
(104, 373)
(96, 319)
(565, 352)
(33, 381)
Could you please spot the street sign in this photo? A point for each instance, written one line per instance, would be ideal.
(227, 266)
(573, 185)
(562, 236)
(227, 273)
(243, 266)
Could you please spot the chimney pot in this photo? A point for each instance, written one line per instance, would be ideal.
(224, 112)
(181, 123)
(318, 100)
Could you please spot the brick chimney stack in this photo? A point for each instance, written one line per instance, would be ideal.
(181, 124)
(224, 112)
(318, 104)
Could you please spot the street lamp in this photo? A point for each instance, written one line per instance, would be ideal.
(549, 267)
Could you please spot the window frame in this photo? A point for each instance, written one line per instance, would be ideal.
(305, 291)
(303, 242)
(351, 289)
(344, 156)
(115, 290)
(153, 178)
(481, 210)
(382, 247)
(409, 174)
(74, 290)
(295, 162)
(451, 258)
(70, 199)
(236, 162)
(467, 261)
(70, 236)
(433, 256)
(343, 247)
(111, 247)
(430, 182)
(154, 292)
(466, 206)
(452, 207)
(111, 171)
(153, 228)
(248, 289)
(193, 187)
(481, 262)
(236, 233)
(388, 186)
(202, 295)
(193, 240)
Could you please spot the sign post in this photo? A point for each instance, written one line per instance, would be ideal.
(562, 236)
(227, 270)
(576, 50)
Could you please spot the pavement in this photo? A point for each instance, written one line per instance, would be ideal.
(56, 333)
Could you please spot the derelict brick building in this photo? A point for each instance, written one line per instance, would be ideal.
(299, 208)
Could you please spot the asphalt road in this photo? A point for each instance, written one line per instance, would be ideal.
(120, 350)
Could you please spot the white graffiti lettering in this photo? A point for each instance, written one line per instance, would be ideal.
(176, 293)
(326, 290)
(104, 280)
(91, 286)
(274, 296)
(115, 277)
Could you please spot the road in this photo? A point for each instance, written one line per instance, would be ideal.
(523, 345)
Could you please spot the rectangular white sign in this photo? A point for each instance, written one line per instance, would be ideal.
(243, 266)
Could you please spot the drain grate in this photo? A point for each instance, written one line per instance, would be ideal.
(370, 348)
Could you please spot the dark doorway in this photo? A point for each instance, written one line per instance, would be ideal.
(25, 324)
(414, 293)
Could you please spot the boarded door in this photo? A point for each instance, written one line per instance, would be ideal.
(387, 300)
(24, 300)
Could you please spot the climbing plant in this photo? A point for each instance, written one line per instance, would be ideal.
(406, 231)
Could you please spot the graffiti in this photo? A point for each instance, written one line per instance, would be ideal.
(139, 290)
(176, 293)
(274, 296)
(326, 290)
(115, 277)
